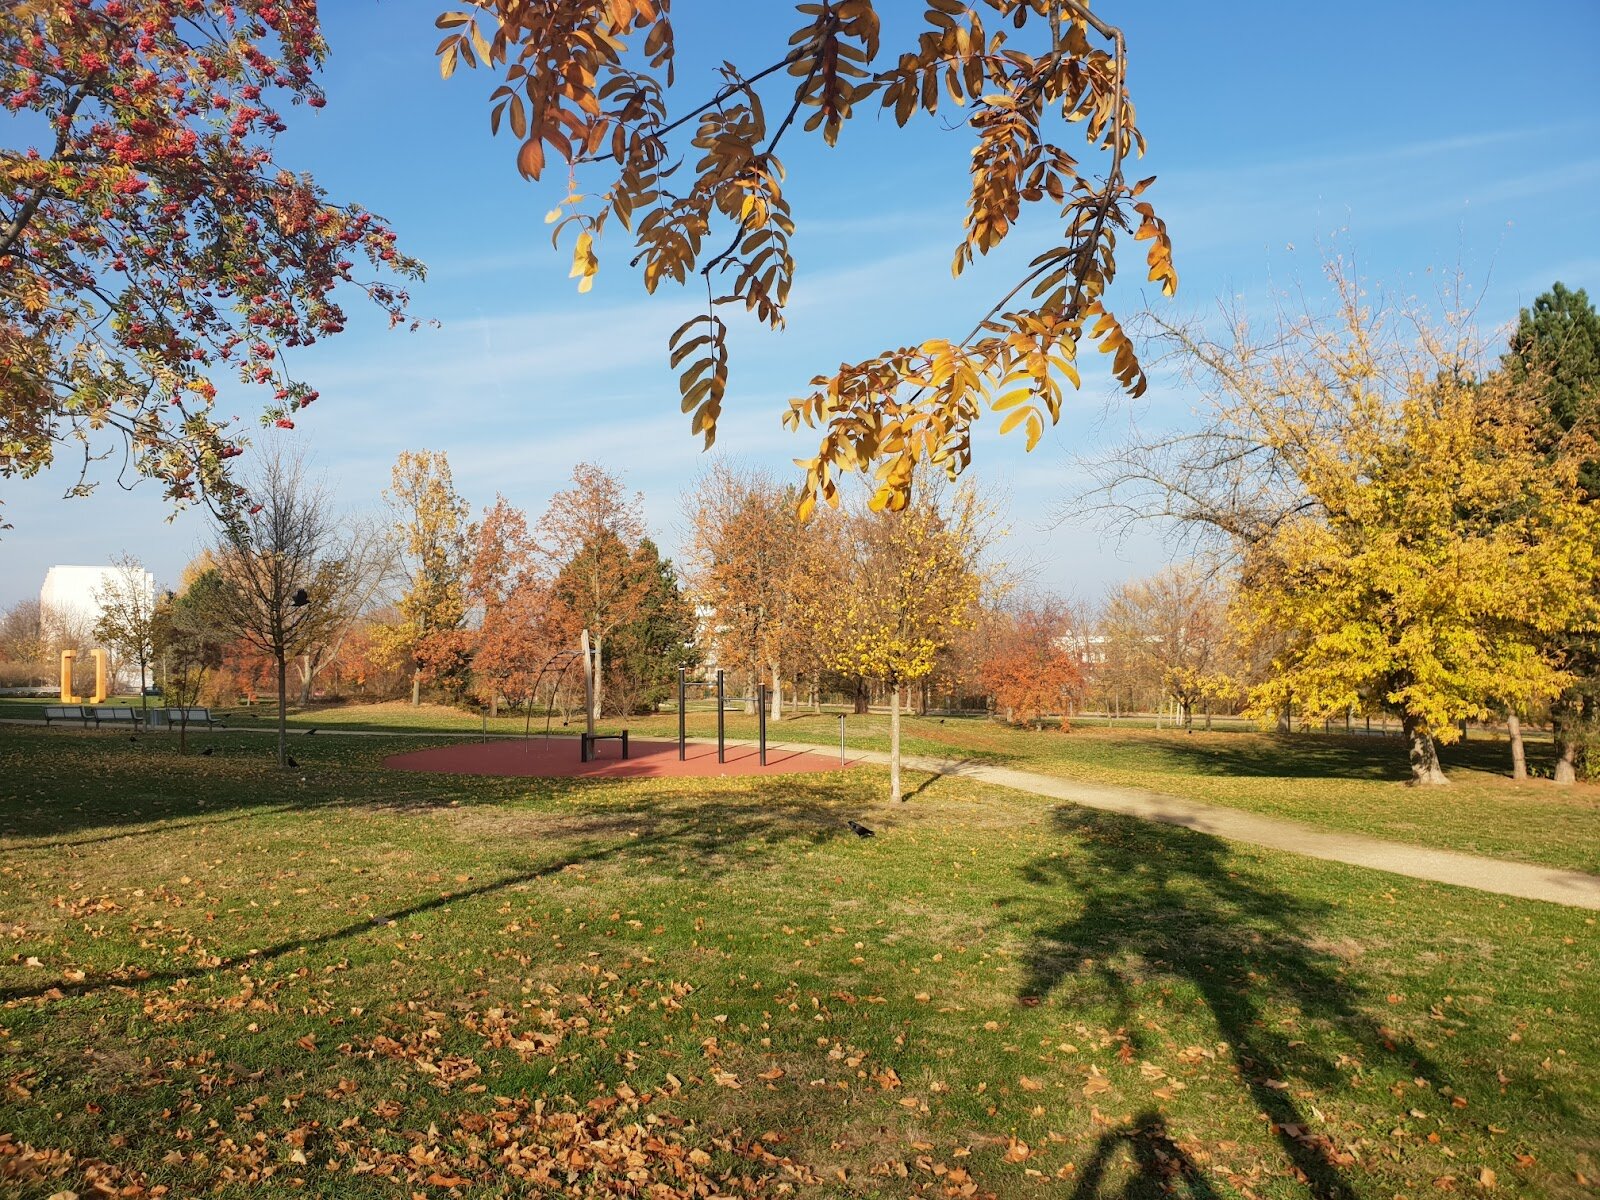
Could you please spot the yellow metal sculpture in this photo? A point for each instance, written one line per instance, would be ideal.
(102, 677)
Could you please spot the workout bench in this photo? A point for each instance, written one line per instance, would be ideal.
(586, 749)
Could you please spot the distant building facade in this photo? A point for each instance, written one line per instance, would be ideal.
(69, 600)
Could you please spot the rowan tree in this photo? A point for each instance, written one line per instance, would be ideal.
(1401, 532)
(1029, 665)
(588, 534)
(913, 583)
(150, 241)
(700, 191)
(431, 552)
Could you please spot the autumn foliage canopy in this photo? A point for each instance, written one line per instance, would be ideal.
(150, 240)
(586, 86)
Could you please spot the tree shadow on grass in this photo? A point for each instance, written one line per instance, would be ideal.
(1156, 902)
(1160, 1167)
(1327, 756)
(644, 831)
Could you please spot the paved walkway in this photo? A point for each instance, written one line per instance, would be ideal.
(1526, 881)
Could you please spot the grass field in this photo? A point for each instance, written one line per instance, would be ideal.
(1335, 781)
(343, 982)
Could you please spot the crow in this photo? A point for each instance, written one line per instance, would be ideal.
(207, 752)
(292, 762)
(860, 830)
(309, 732)
(133, 738)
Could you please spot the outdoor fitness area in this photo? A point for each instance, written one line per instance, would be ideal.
(559, 758)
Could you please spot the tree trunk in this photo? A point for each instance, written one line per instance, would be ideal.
(894, 744)
(777, 695)
(305, 680)
(861, 698)
(1286, 717)
(596, 708)
(1564, 726)
(283, 711)
(1425, 768)
(416, 687)
(1519, 760)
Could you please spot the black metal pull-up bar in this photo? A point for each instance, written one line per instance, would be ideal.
(762, 696)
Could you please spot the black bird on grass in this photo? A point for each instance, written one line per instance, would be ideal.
(134, 738)
(291, 761)
(309, 732)
(207, 752)
(860, 830)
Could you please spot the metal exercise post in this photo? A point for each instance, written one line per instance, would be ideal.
(841, 739)
(721, 756)
(682, 685)
(761, 721)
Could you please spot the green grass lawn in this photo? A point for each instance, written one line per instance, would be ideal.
(345, 982)
(1354, 784)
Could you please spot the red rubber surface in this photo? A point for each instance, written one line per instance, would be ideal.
(558, 759)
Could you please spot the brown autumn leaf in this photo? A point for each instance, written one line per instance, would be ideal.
(1017, 1151)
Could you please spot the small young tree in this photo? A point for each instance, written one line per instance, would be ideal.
(189, 643)
(127, 599)
(914, 584)
(283, 566)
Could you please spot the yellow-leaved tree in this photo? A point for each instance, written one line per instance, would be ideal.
(910, 584)
(698, 188)
(1405, 540)
(432, 550)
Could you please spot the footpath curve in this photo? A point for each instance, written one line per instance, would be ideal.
(1526, 881)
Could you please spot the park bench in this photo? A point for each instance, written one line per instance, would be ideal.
(65, 712)
(192, 716)
(116, 716)
(586, 749)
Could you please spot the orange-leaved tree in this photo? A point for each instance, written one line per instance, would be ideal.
(699, 189)
(589, 533)
(747, 555)
(520, 624)
(1031, 665)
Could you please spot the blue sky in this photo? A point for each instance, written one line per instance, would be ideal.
(1434, 137)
